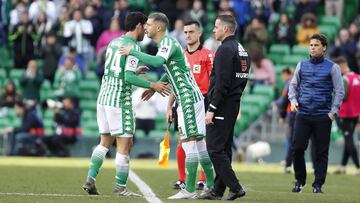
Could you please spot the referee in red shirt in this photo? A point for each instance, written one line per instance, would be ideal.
(200, 60)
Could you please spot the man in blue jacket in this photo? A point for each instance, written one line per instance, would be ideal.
(310, 94)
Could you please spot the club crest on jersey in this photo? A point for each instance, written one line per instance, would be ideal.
(196, 68)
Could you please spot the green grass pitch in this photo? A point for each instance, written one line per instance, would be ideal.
(60, 180)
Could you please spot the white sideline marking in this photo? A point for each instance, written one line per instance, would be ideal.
(144, 188)
(50, 195)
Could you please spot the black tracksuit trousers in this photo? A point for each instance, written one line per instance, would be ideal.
(347, 126)
(319, 127)
(219, 139)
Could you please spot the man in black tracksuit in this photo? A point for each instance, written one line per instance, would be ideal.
(227, 82)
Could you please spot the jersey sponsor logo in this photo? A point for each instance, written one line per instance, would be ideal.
(244, 65)
(196, 68)
(242, 75)
(356, 82)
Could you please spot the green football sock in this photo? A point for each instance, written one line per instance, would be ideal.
(208, 168)
(191, 164)
(122, 169)
(97, 159)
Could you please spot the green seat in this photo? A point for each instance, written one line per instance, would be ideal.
(91, 76)
(40, 64)
(259, 102)
(89, 105)
(265, 90)
(277, 52)
(90, 128)
(329, 31)
(292, 60)
(283, 49)
(89, 85)
(49, 114)
(157, 133)
(331, 20)
(16, 74)
(5, 122)
(300, 50)
(87, 115)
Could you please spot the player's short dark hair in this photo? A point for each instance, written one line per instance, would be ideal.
(340, 60)
(160, 17)
(229, 20)
(322, 38)
(19, 102)
(287, 70)
(193, 22)
(133, 19)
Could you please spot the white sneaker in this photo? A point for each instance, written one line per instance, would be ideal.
(184, 194)
(123, 191)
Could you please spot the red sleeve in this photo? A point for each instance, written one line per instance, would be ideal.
(209, 64)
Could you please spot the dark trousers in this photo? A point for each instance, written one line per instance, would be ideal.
(289, 136)
(219, 139)
(319, 127)
(347, 126)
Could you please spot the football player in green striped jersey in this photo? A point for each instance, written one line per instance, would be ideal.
(191, 110)
(115, 114)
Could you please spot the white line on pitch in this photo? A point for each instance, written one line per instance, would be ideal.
(144, 188)
(50, 195)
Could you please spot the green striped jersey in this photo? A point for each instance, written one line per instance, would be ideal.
(114, 91)
(178, 71)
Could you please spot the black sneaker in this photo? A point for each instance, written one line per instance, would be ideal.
(234, 195)
(200, 185)
(317, 189)
(89, 187)
(298, 187)
(178, 185)
(209, 194)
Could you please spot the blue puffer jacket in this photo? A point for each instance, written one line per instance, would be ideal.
(316, 87)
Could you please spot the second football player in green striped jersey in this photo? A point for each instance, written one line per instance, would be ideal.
(177, 69)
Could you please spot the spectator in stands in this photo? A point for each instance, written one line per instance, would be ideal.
(51, 54)
(178, 32)
(31, 82)
(67, 128)
(211, 43)
(15, 14)
(284, 31)
(26, 140)
(43, 6)
(78, 32)
(77, 59)
(242, 9)
(91, 15)
(64, 17)
(3, 34)
(101, 58)
(334, 8)
(256, 36)
(225, 8)
(308, 28)
(345, 46)
(42, 28)
(261, 9)
(23, 37)
(67, 79)
(197, 13)
(263, 69)
(113, 32)
(120, 11)
(9, 95)
(349, 113)
(287, 117)
(354, 33)
(303, 7)
(103, 14)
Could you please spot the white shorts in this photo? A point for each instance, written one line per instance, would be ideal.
(115, 121)
(191, 120)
